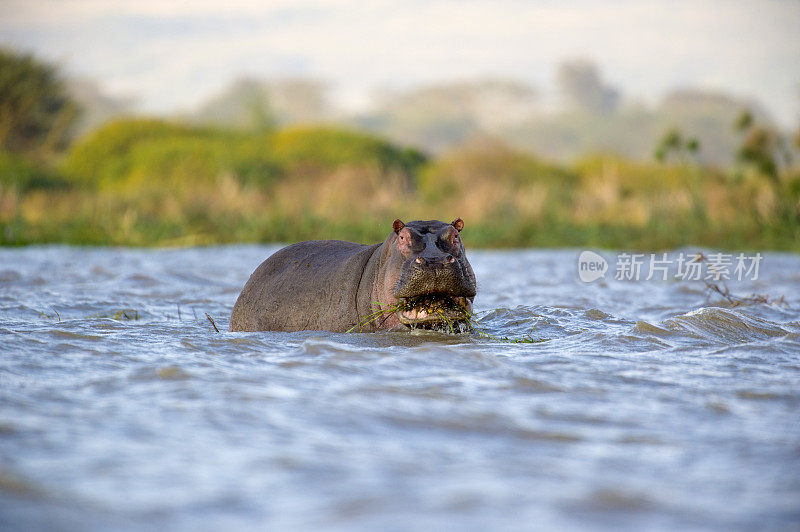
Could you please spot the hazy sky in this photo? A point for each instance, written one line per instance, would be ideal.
(172, 54)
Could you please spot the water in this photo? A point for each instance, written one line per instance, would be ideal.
(647, 405)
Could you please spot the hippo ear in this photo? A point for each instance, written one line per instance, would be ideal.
(458, 223)
(397, 225)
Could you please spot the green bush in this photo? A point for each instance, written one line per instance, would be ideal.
(107, 156)
(23, 175)
(133, 153)
(328, 148)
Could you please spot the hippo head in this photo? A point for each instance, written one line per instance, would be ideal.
(436, 281)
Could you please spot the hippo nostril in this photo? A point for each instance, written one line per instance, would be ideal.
(450, 259)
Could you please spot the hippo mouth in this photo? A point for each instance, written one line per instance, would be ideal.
(434, 311)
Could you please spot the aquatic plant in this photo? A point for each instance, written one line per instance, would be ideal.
(466, 322)
(380, 312)
(720, 287)
(126, 314)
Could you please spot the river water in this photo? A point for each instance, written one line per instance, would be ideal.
(645, 404)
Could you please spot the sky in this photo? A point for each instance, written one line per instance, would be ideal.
(172, 55)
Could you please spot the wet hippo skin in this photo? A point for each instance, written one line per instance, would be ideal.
(334, 285)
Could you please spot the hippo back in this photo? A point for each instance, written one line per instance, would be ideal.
(311, 285)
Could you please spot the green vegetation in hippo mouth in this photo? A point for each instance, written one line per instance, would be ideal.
(430, 311)
(452, 315)
(435, 311)
(433, 303)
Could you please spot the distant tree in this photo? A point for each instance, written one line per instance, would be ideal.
(35, 111)
(673, 144)
(260, 115)
(97, 107)
(253, 104)
(744, 121)
(300, 100)
(581, 84)
(761, 147)
(797, 139)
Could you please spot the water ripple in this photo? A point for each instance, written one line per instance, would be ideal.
(646, 405)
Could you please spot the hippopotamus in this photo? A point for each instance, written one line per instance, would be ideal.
(418, 277)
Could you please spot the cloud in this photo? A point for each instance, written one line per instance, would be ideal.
(176, 53)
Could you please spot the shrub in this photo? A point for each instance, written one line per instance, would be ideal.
(137, 153)
(22, 175)
(327, 148)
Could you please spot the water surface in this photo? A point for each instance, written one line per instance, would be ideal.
(646, 405)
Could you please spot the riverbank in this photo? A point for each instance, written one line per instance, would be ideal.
(153, 183)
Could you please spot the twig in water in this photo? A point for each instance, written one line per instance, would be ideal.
(179, 311)
(721, 288)
(212, 322)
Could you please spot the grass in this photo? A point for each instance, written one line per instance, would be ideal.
(154, 183)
